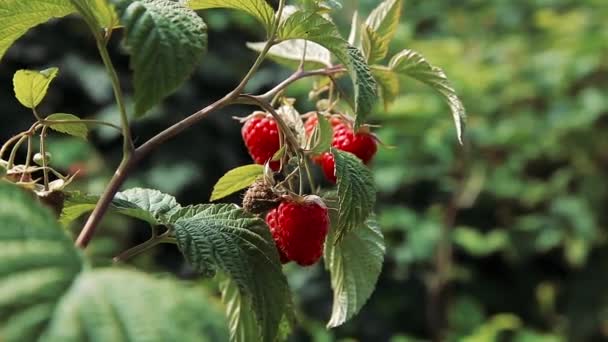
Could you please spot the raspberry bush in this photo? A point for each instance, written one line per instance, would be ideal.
(51, 290)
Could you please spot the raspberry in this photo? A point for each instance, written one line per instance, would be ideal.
(302, 228)
(273, 224)
(362, 144)
(261, 136)
(260, 198)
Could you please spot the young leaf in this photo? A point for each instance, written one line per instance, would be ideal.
(289, 53)
(79, 130)
(39, 263)
(354, 263)
(166, 41)
(388, 83)
(411, 63)
(241, 318)
(356, 191)
(123, 305)
(235, 180)
(354, 26)
(322, 136)
(292, 118)
(31, 86)
(260, 9)
(97, 13)
(226, 237)
(380, 28)
(312, 26)
(18, 16)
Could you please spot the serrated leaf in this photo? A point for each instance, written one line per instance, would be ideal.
(380, 28)
(39, 263)
(235, 180)
(322, 137)
(166, 41)
(260, 9)
(123, 305)
(79, 130)
(147, 205)
(312, 26)
(388, 83)
(289, 53)
(413, 64)
(97, 13)
(356, 191)
(18, 16)
(225, 237)
(31, 85)
(354, 263)
(239, 312)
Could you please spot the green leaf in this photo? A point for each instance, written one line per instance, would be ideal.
(31, 86)
(322, 137)
(122, 305)
(97, 13)
(166, 41)
(79, 130)
(235, 180)
(241, 318)
(147, 205)
(388, 83)
(289, 53)
(225, 237)
(380, 28)
(411, 63)
(313, 27)
(18, 16)
(354, 263)
(260, 9)
(356, 191)
(39, 263)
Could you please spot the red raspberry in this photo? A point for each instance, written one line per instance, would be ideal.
(261, 136)
(273, 224)
(362, 144)
(302, 228)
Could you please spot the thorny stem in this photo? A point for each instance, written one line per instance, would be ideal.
(45, 170)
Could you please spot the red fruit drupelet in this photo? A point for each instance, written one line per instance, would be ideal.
(362, 144)
(273, 223)
(261, 136)
(300, 229)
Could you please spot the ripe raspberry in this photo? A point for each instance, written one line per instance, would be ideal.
(273, 224)
(260, 198)
(362, 144)
(302, 228)
(261, 136)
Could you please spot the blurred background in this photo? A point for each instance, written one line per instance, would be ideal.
(502, 239)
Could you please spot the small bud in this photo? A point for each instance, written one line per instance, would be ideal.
(38, 158)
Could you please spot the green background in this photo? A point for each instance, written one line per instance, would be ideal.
(520, 208)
